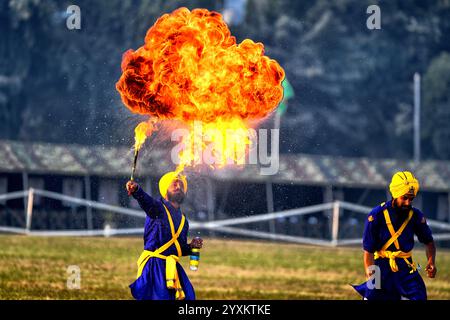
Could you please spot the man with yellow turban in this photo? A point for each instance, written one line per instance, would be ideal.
(388, 241)
(160, 276)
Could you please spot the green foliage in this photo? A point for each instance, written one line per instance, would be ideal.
(437, 104)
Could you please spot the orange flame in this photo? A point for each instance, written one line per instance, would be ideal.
(215, 144)
(142, 131)
(191, 69)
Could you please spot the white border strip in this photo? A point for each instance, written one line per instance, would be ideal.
(268, 216)
(92, 204)
(13, 195)
(13, 230)
(272, 236)
(219, 225)
(86, 233)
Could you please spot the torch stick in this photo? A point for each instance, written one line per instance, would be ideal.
(134, 168)
(141, 132)
(134, 164)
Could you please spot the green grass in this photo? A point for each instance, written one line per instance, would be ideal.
(36, 268)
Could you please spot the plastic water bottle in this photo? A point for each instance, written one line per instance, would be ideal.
(194, 259)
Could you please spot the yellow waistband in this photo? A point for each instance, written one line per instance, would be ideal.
(392, 255)
(172, 280)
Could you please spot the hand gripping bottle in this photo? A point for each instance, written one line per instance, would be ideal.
(194, 259)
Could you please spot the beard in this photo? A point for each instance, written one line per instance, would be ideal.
(177, 197)
(405, 209)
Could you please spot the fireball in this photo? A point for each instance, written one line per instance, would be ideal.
(190, 69)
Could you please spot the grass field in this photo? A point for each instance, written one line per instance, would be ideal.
(36, 268)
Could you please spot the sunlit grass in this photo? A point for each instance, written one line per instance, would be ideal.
(36, 268)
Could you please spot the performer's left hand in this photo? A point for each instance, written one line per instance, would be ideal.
(196, 243)
(431, 270)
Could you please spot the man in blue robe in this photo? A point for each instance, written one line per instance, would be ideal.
(160, 276)
(388, 241)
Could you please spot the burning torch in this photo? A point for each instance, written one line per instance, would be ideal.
(228, 86)
(141, 132)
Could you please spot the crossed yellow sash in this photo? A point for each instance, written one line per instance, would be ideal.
(172, 280)
(392, 255)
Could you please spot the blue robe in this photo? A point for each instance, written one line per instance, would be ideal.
(395, 285)
(151, 285)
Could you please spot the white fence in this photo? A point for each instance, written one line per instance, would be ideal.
(225, 226)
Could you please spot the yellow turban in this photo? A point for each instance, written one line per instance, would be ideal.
(403, 182)
(167, 179)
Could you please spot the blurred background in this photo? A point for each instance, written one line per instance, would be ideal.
(351, 83)
(360, 104)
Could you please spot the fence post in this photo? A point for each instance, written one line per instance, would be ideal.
(210, 202)
(448, 207)
(25, 187)
(29, 209)
(270, 207)
(88, 196)
(335, 226)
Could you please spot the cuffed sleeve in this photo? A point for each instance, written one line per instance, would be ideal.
(185, 249)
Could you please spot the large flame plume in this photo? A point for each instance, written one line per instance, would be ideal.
(191, 69)
(142, 131)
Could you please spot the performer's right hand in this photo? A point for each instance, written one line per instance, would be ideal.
(131, 186)
(431, 270)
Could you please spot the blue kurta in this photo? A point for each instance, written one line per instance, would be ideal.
(151, 285)
(395, 285)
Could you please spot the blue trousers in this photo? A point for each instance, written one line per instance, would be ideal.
(394, 285)
(151, 285)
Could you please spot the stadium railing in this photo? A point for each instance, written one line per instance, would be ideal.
(227, 226)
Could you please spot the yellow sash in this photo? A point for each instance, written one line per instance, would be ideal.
(172, 279)
(392, 255)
